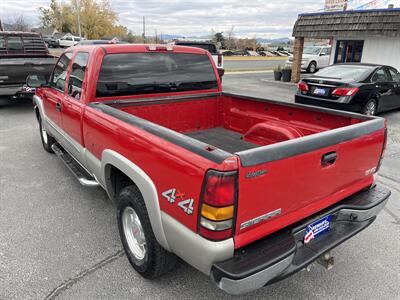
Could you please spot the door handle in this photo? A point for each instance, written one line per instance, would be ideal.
(328, 159)
(58, 106)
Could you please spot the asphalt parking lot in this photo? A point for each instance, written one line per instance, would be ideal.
(60, 240)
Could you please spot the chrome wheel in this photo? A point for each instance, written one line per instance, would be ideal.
(370, 108)
(134, 234)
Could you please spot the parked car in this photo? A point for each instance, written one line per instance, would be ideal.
(210, 47)
(204, 175)
(21, 54)
(69, 40)
(51, 41)
(314, 58)
(364, 88)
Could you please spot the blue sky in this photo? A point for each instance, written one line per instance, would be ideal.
(263, 19)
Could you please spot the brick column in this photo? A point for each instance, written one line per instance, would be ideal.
(297, 56)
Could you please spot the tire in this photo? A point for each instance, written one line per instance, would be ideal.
(312, 67)
(47, 140)
(370, 108)
(144, 253)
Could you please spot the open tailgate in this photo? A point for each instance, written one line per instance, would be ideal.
(283, 183)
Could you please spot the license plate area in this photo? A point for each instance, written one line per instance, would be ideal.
(317, 228)
(320, 91)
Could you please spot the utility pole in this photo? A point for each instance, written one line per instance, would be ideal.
(78, 9)
(144, 29)
(1, 25)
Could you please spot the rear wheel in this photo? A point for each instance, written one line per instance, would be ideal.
(144, 253)
(47, 140)
(370, 108)
(312, 67)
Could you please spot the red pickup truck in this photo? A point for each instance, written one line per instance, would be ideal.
(246, 190)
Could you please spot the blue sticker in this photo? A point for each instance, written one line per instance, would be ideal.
(317, 228)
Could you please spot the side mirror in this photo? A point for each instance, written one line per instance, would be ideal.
(35, 81)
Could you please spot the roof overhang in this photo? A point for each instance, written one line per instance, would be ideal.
(350, 24)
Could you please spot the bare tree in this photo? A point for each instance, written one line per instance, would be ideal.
(19, 24)
(230, 41)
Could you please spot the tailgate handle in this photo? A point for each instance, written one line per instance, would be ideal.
(328, 159)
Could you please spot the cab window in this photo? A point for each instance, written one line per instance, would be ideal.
(394, 74)
(59, 75)
(380, 76)
(325, 51)
(15, 44)
(77, 75)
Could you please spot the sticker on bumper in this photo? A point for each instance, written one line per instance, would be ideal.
(317, 228)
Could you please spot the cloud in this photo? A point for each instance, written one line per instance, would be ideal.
(264, 19)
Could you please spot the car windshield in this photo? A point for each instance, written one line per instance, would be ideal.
(311, 50)
(147, 73)
(348, 73)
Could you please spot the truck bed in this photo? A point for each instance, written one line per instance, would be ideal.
(222, 138)
(233, 123)
(293, 160)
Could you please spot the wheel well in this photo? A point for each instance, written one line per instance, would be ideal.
(313, 61)
(118, 180)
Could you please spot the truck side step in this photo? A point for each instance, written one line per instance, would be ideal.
(79, 172)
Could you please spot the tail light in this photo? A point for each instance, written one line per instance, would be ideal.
(383, 149)
(218, 201)
(219, 59)
(302, 86)
(344, 92)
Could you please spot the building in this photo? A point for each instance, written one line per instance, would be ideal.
(367, 36)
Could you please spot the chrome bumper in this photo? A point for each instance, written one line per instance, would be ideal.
(284, 253)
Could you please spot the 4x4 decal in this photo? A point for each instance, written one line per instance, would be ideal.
(185, 204)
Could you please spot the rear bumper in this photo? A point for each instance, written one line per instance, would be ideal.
(10, 89)
(16, 91)
(328, 104)
(284, 253)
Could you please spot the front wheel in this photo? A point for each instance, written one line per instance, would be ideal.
(144, 253)
(47, 140)
(370, 108)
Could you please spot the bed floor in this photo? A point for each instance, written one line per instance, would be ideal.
(222, 138)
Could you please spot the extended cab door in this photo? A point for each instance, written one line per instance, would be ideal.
(54, 93)
(73, 105)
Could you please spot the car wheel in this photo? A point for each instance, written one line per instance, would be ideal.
(312, 67)
(370, 108)
(47, 140)
(144, 253)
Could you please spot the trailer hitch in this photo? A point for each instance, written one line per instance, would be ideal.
(326, 260)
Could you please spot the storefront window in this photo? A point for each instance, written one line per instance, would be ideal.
(349, 51)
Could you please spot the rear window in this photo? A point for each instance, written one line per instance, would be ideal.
(15, 44)
(352, 72)
(148, 73)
